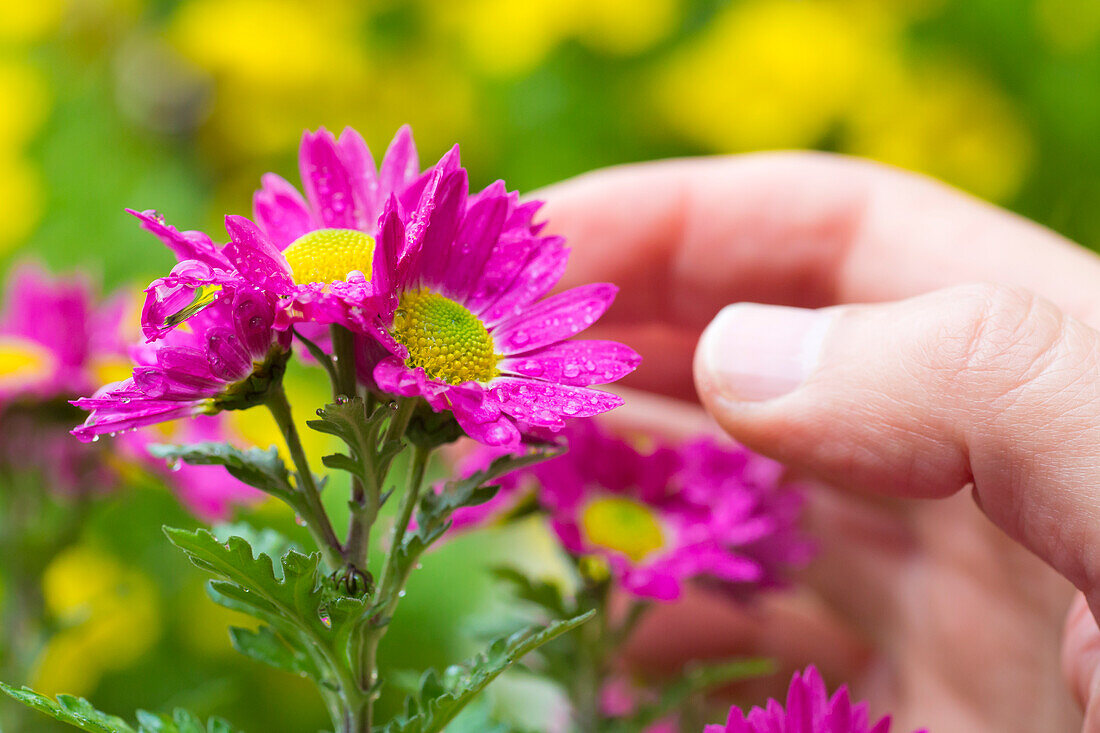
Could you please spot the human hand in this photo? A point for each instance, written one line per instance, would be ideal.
(925, 606)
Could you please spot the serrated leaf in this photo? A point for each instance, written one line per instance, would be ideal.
(266, 646)
(348, 420)
(262, 469)
(78, 712)
(436, 508)
(440, 700)
(295, 605)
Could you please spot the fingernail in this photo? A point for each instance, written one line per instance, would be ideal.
(753, 353)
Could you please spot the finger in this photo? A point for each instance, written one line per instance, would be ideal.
(684, 237)
(1081, 661)
(919, 398)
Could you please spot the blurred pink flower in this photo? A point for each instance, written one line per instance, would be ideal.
(809, 709)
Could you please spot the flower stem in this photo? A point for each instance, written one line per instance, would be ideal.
(343, 351)
(395, 574)
(311, 510)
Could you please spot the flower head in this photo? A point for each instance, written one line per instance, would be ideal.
(809, 709)
(466, 322)
(55, 339)
(660, 517)
(225, 358)
(705, 510)
(449, 285)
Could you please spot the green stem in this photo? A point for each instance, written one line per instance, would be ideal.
(395, 574)
(400, 421)
(592, 656)
(409, 501)
(364, 503)
(343, 352)
(368, 503)
(311, 509)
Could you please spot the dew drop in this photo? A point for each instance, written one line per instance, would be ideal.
(571, 370)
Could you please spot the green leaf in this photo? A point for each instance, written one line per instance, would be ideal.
(543, 593)
(313, 623)
(436, 507)
(78, 712)
(440, 699)
(264, 540)
(348, 420)
(256, 467)
(266, 646)
(75, 711)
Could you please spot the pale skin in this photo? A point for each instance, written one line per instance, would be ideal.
(951, 420)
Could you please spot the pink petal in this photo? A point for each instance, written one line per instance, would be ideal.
(255, 257)
(548, 404)
(400, 165)
(482, 419)
(359, 163)
(281, 211)
(536, 277)
(186, 245)
(475, 242)
(329, 187)
(579, 363)
(554, 319)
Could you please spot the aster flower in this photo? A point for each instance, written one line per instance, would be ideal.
(809, 709)
(54, 338)
(225, 359)
(663, 516)
(716, 512)
(455, 286)
(314, 252)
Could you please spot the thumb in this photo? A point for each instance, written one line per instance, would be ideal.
(977, 384)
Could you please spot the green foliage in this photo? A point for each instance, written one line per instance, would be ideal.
(544, 594)
(262, 469)
(78, 712)
(435, 510)
(370, 453)
(440, 699)
(309, 628)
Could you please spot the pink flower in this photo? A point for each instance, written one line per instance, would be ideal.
(706, 510)
(450, 285)
(54, 335)
(224, 360)
(468, 328)
(809, 709)
(314, 253)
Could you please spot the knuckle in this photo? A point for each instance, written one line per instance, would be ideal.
(999, 337)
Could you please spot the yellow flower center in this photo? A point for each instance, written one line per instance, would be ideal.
(444, 339)
(23, 362)
(623, 525)
(328, 255)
